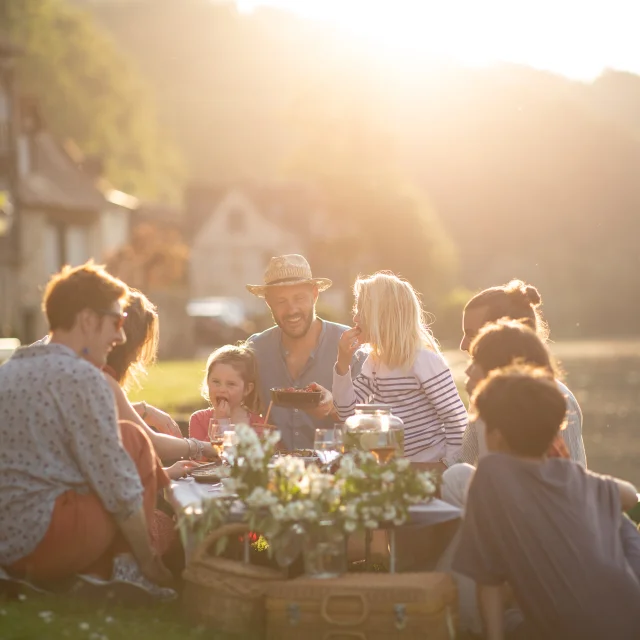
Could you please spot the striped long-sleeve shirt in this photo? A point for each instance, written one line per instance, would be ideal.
(424, 397)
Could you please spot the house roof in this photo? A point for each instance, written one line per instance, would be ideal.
(54, 181)
(285, 204)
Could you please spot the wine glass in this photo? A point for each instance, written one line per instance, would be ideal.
(327, 443)
(216, 432)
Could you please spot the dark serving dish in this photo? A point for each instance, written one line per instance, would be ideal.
(296, 399)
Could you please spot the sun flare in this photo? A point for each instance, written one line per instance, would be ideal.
(572, 38)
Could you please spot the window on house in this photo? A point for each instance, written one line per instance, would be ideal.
(236, 221)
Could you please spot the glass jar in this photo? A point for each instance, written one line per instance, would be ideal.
(325, 551)
(374, 428)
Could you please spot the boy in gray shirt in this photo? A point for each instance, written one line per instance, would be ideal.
(548, 527)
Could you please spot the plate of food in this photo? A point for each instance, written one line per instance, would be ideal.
(208, 473)
(296, 397)
(306, 455)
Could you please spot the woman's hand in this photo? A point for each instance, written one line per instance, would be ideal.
(161, 421)
(349, 343)
(181, 468)
(209, 451)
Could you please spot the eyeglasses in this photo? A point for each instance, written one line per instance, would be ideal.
(119, 316)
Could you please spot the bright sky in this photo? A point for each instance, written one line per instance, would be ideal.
(577, 38)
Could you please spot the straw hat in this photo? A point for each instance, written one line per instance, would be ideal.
(286, 271)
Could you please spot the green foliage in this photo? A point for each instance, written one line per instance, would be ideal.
(385, 221)
(90, 92)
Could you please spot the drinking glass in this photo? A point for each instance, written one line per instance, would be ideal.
(229, 440)
(327, 443)
(216, 432)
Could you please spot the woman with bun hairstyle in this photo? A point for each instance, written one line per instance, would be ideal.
(516, 301)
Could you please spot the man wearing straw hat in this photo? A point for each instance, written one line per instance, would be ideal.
(300, 350)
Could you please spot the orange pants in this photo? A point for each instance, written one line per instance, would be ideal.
(83, 536)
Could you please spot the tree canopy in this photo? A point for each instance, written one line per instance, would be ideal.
(89, 91)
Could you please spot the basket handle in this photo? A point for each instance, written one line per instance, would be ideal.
(348, 594)
(230, 529)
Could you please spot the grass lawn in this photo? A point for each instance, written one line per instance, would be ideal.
(173, 386)
(44, 617)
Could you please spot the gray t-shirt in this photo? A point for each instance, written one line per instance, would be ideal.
(552, 530)
(58, 432)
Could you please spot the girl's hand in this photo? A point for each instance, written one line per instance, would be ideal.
(181, 468)
(349, 343)
(222, 409)
(162, 422)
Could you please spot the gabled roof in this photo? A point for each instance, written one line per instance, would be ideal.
(285, 204)
(54, 181)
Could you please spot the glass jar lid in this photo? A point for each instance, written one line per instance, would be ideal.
(373, 408)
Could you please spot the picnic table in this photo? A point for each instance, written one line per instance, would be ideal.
(189, 493)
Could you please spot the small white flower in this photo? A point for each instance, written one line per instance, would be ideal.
(109, 619)
(46, 616)
(350, 526)
(278, 512)
(402, 464)
(370, 524)
(389, 513)
(260, 497)
(22, 597)
(388, 476)
(83, 626)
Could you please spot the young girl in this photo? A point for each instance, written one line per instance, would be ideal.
(404, 369)
(230, 386)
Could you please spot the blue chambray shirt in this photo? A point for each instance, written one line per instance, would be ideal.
(296, 426)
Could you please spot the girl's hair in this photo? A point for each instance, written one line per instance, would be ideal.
(130, 360)
(242, 359)
(393, 319)
(515, 300)
(504, 342)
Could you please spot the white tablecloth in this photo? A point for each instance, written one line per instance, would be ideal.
(187, 492)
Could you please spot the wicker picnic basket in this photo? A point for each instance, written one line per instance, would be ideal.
(364, 606)
(225, 594)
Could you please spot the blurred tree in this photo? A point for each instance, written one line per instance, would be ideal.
(92, 93)
(156, 258)
(384, 221)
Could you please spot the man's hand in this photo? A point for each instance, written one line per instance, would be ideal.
(325, 407)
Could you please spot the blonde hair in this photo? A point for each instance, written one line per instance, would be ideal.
(242, 359)
(392, 318)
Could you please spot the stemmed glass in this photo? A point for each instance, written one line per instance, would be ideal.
(328, 443)
(216, 432)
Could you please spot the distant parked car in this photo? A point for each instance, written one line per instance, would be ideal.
(218, 321)
(7, 347)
